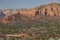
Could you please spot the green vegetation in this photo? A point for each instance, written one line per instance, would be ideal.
(37, 30)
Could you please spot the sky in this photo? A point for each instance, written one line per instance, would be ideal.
(18, 4)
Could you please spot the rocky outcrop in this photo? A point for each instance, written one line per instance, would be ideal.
(15, 18)
(52, 9)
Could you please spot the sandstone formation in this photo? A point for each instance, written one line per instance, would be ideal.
(52, 9)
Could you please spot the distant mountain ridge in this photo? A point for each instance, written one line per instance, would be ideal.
(1, 14)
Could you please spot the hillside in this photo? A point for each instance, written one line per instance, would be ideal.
(39, 23)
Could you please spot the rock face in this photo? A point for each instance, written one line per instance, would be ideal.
(52, 9)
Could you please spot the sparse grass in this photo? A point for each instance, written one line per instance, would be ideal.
(37, 30)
